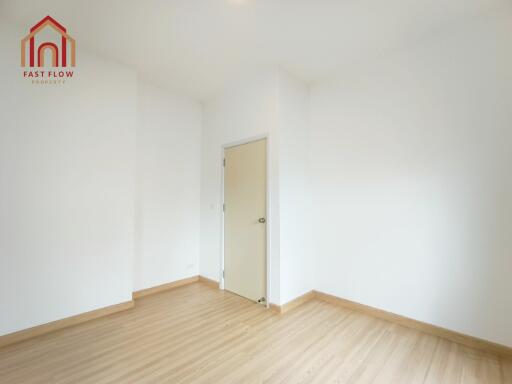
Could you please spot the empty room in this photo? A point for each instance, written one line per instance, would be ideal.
(255, 191)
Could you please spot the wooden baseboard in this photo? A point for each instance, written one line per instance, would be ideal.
(164, 287)
(210, 282)
(294, 303)
(53, 326)
(39, 330)
(460, 338)
(469, 341)
(275, 307)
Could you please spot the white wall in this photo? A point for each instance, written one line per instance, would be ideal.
(66, 190)
(168, 169)
(296, 265)
(410, 164)
(242, 112)
(89, 172)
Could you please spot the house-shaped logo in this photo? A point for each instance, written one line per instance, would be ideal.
(58, 48)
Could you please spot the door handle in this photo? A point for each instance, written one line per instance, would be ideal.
(261, 220)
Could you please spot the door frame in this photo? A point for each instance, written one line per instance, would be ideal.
(267, 209)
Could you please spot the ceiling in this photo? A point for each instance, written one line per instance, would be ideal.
(198, 46)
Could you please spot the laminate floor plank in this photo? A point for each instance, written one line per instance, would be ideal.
(198, 334)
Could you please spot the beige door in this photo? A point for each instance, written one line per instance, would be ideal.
(245, 209)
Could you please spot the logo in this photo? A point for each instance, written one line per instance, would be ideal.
(51, 53)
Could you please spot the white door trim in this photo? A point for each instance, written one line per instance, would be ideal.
(268, 216)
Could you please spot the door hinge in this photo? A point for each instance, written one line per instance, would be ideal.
(223, 274)
(223, 207)
(223, 162)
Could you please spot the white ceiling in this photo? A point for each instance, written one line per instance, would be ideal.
(198, 46)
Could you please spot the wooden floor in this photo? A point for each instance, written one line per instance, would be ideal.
(197, 334)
